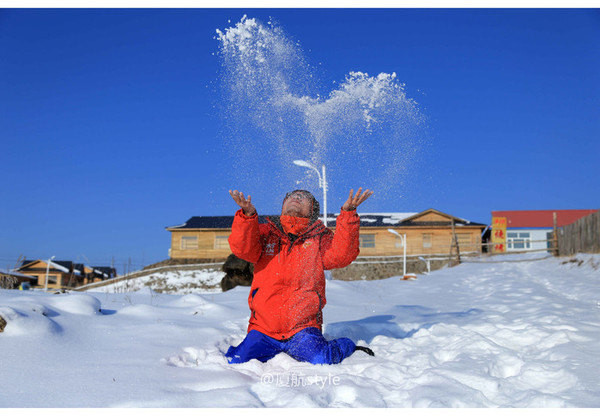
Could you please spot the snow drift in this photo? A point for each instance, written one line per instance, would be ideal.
(487, 333)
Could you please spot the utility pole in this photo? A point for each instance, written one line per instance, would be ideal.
(555, 233)
(454, 244)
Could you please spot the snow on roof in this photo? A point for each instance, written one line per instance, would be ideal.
(366, 220)
(58, 266)
(385, 218)
(177, 226)
(16, 273)
(62, 268)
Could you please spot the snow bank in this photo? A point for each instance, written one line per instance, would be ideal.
(172, 282)
(79, 304)
(487, 333)
(34, 313)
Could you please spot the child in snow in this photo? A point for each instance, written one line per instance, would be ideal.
(287, 296)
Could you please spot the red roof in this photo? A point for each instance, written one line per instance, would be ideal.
(540, 218)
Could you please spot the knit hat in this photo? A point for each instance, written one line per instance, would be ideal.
(316, 208)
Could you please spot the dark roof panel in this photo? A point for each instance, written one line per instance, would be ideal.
(66, 264)
(366, 220)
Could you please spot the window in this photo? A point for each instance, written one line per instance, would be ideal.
(427, 240)
(518, 240)
(189, 242)
(367, 241)
(221, 242)
(52, 279)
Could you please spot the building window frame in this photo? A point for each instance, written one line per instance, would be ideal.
(427, 240)
(221, 242)
(366, 240)
(189, 242)
(518, 240)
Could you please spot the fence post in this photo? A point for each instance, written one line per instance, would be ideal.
(555, 235)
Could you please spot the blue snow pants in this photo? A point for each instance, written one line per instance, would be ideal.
(307, 345)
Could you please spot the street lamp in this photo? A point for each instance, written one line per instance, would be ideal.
(47, 271)
(428, 262)
(322, 184)
(403, 239)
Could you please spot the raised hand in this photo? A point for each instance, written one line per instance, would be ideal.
(354, 200)
(244, 203)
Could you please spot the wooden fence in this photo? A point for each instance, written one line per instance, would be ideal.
(581, 236)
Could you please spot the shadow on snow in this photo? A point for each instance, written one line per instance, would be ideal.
(390, 325)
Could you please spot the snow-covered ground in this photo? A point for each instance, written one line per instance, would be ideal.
(482, 334)
(178, 282)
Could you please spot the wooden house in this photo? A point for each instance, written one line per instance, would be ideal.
(103, 273)
(63, 274)
(96, 274)
(13, 279)
(429, 232)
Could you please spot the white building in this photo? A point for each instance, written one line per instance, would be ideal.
(533, 229)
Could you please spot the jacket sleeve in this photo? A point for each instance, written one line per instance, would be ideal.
(244, 240)
(341, 249)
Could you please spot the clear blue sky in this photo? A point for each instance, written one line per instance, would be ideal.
(109, 130)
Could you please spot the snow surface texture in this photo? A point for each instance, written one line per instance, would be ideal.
(179, 282)
(270, 87)
(494, 334)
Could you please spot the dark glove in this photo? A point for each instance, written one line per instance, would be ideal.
(366, 350)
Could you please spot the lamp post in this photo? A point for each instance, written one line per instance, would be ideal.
(47, 271)
(322, 184)
(428, 262)
(403, 239)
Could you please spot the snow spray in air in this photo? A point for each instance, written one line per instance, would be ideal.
(366, 131)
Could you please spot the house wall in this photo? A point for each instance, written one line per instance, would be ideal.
(440, 238)
(386, 243)
(534, 236)
(207, 240)
(12, 280)
(38, 269)
(91, 276)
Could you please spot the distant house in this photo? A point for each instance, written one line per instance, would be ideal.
(533, 229)
(63, 274)
(104, 273)
(427, 233)
(13, 279)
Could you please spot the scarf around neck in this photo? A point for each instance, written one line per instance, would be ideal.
(294, 225)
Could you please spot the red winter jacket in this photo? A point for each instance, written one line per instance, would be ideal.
(288, 289)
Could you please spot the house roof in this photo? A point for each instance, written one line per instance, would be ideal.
(541, 218)
(393, 219)
(106, 271)
(17, 274)
(70, 266)
(64, 266)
